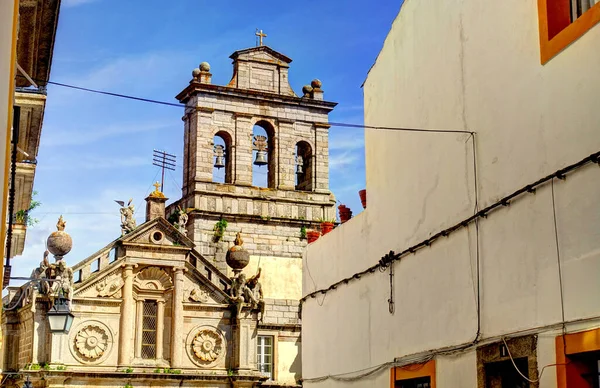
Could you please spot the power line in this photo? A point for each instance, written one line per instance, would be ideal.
(333, 124)
(530, 188)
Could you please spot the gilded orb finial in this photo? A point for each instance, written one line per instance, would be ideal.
(60, 225)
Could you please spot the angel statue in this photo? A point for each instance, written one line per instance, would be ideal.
(255, 290)
(127, 221)
(181, 220)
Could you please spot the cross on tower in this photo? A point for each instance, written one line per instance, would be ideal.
(260, 35)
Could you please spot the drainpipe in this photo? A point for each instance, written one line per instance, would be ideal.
(11, 193)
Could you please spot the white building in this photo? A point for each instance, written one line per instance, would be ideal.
(494, 288)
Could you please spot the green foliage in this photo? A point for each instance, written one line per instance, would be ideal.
(169, 371)
(33, 367)
(219, 229)
(173, 218)
(22, 216)
(128, 385)
(61, 367)
(230, 372)
(303, 232)
(158, 370)
(129, 370)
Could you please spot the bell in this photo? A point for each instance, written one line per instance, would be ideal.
(299, 169)
(220, 162)
(261, 158)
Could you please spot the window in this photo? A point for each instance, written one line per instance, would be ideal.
(414, 376)
(149, 321)
(112, 255)
(503, 374)
(95, 266)
(561, 22)
(264, 355)
(304, 167)
(263, 155)
(578, 362)
(77, 277)
(222, 166)
(419, 382)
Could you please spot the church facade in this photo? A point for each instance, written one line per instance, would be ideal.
(204, 293)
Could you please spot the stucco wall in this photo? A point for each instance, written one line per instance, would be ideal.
(463, 65)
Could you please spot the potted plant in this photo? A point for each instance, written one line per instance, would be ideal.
(363, 198)
(312, 235)
(219, 229)
(326, 226)
(345, 213)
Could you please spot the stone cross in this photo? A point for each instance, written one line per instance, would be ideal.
(260, 35)
(156, 185)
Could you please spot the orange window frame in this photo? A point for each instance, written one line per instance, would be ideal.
(556, 29)
(567, 371)
(413, 372)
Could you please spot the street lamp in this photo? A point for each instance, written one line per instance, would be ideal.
(27, 383)
(60, 317)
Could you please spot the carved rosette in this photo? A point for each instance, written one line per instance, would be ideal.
(206, 345)
(91, 342)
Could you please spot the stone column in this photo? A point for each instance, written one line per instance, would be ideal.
(242, 160)
(160, 327)
(244, 344)
(287, 161)
(321, 165)
(177, 337)
(138, 333)
(126, 324)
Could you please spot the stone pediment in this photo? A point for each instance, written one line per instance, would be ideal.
(261, 54)
(107, 284)
(159, 233)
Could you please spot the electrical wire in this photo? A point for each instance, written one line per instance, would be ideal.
(519, 372)
(530, 188)
(333, 124)
(560, 278)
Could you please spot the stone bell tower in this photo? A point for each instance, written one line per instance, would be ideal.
(219, 125)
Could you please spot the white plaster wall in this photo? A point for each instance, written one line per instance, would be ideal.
(466, 65)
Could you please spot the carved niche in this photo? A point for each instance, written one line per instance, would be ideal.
(153, 278)
(206, 346)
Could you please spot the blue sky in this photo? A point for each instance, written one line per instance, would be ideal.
(95, 149)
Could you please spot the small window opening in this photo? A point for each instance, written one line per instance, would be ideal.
(263, 163)
(264, 355)
(304, 166)
(222, 166)
(95, 266)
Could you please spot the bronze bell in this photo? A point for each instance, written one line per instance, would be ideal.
(220, 162)
(299, 169)
(261, 158)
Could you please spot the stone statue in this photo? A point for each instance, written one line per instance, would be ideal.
(181, 221)
(127, 221)
(255, 288)
(247, 291)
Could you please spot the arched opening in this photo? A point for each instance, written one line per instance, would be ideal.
(304, 166)
(222, 166)
(263, 160)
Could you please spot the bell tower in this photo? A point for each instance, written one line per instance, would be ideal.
(255, 120)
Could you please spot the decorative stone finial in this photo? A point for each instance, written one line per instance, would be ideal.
(157, 193)
(59, 243)
(316, 84)
(237, 257)
(60, 225)
(205, 67)
(307, 90)
(195, 73)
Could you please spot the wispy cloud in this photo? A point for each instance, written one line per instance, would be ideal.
(91, 162)
(89, 134)
(75, 3)
(342, 160)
